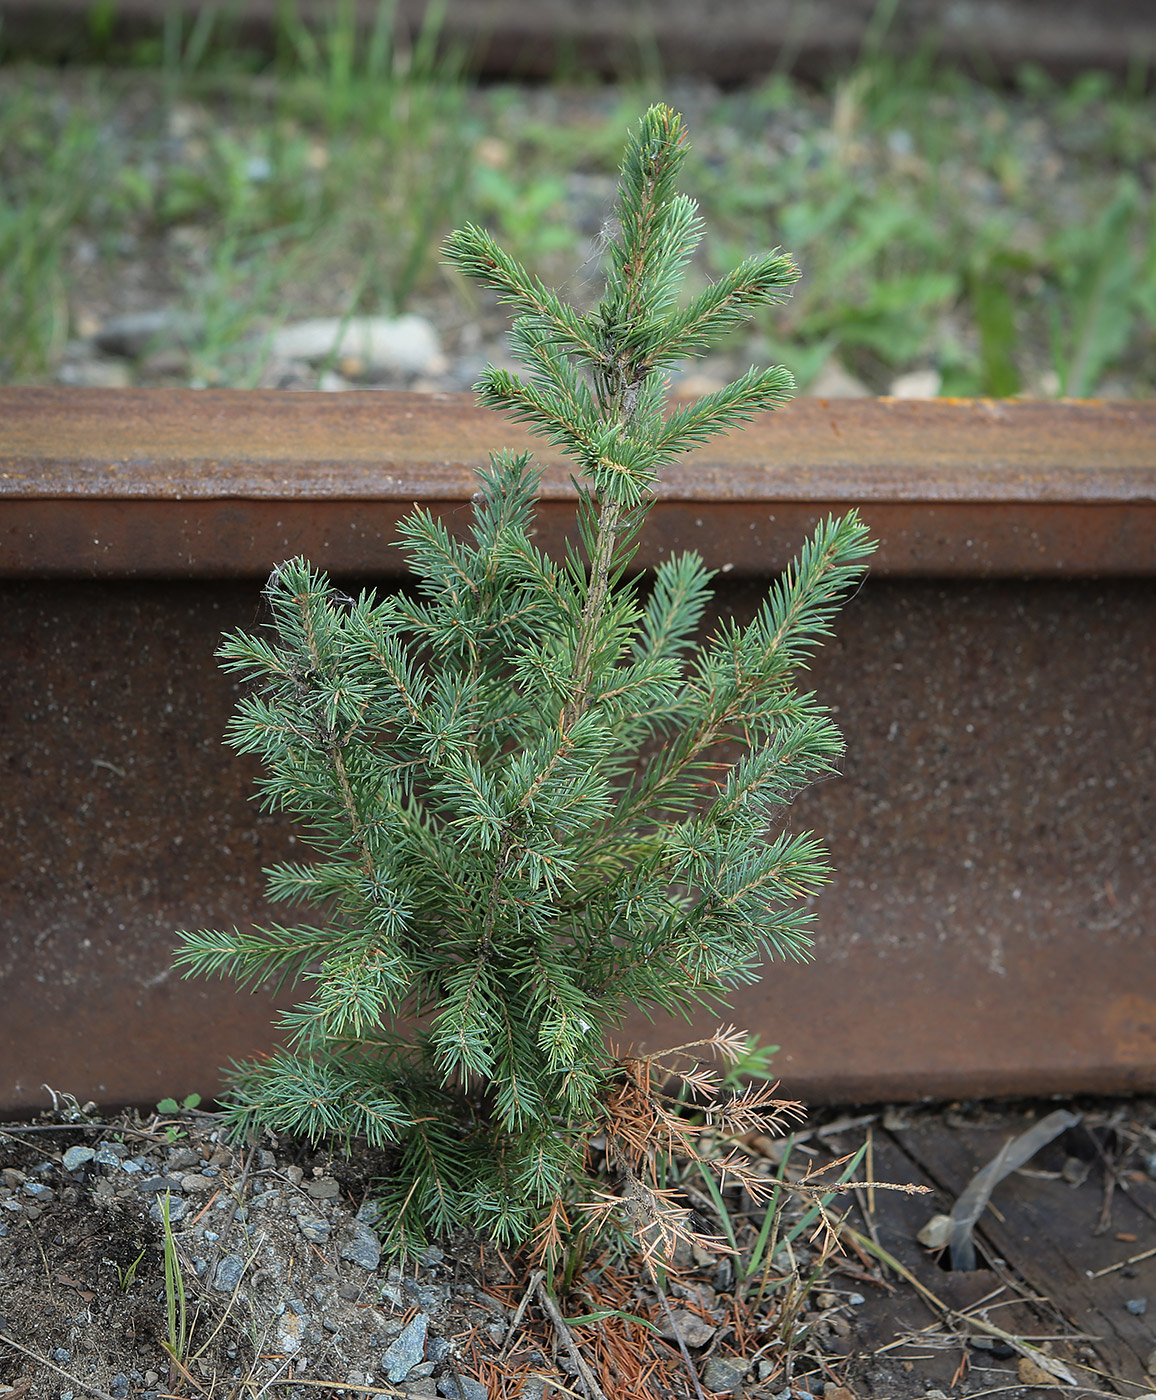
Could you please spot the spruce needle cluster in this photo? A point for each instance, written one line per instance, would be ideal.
(519, 780)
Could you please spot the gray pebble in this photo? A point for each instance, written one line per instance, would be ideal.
(325, 1188)
(724, 1373)
(61, 1356)
(130, 1166)
(137, 331)
(228, 1274)
(461, 1388)
(1136, 1306)
(39, 1190)
(428, 1296)
(77, 1157)
(317, 1230)
(105, 1156)
(437, 1349)
(407, 1350)
(182, 1159)
(424, 1388)
(362, 1246)
(154, 1185)
(195, 1182)
(119, 1387)
(178, 1209)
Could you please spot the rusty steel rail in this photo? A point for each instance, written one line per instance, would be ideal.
(989, 928)
(159, 483)
(730, 42)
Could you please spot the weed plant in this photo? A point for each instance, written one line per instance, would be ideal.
(522, 784)
(1002, 238)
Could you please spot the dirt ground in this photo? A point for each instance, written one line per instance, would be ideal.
(287, 1291)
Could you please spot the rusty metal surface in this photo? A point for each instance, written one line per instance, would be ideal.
(989, 929)
(181, 483)
(732, 42)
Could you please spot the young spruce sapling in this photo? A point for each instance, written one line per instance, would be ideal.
(515, 780)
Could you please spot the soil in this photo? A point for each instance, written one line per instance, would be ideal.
(289, 1292)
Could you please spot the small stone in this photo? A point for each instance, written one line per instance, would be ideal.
(1031, 1373)
(834, 382)
(437, 1349)
(106, 1156)
(462, 1388)
(291, 1326)
(1074, 1171)
(407, 1350)
(195, 1182)
(182, 1159)
(316, 1230)
(934, 1233)
(119, 1387)
(1136, 1306)
(178, 1209)
(419, 1373)
(362, 1246)
(424, 1388)
(39, 1191)
(294, 1174)
(325, 1188)
(77, 1157)
(131, 1166)
(133, 334)
(351, 1292)
(154, 1185)
(694, 1330)
(62, 1356)
(151, 1378)
(1150, 1364)
(405, 345)
(1150, 1165)
(916, 384)
(228, 1273)
(94, 374)
(724, 1373)
(13, 1177)
(837, 1392)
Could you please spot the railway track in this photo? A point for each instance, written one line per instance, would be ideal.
(989, 928)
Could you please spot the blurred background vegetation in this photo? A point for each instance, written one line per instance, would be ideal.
(956, 236)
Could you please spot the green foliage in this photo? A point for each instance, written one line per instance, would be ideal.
(521, 781)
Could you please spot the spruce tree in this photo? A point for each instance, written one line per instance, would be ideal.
(514, 777)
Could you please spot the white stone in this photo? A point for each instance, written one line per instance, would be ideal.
(834, 382)
(405, 345)
(917, 384)
(934, 1233)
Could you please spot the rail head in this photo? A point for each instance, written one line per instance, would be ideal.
(156, 482)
